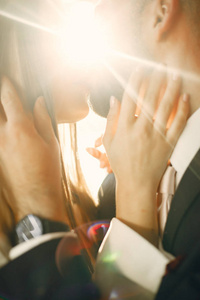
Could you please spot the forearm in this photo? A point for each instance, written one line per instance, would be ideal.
(136, 207)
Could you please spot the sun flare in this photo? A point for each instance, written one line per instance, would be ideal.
(81, 38)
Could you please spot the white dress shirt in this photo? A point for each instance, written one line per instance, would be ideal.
(187, 146)
(136, 258)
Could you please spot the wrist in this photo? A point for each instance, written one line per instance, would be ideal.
(33, 226)
(133, 196)
(136, 184)
(150, 234)
(43, 206)
(137, 208)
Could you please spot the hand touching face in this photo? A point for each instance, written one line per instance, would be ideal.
(29, 158)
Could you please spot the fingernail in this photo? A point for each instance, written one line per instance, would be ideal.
(175, 76)
(185, 97)
(98, 142)
(112, 101)
(41, 101)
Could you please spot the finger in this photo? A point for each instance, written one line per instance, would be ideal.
(102, 164)
(99, 142)
(94, 152)
(179, 121)
(109, 170)
(130, 97)
(42, 120)
(168, 102)
(10, 101)
(112, 121)
(152, 94)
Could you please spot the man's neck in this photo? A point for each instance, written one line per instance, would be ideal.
(190, 71)
(181, 51)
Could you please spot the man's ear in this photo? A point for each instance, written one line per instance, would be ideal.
(166, 15)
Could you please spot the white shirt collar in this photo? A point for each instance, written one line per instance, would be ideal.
(187, 146)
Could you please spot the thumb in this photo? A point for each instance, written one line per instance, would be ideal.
(112, 121)
(42, 120)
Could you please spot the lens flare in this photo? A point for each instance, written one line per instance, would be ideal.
(98, 229)
(111, 257)
(26, 22)
(81, 38)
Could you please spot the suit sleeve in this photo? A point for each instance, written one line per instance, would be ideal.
(39, 274)
(183, 280)
(106, 198)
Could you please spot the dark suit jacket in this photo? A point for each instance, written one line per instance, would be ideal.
(181, 235)
(182, 238)
(106, 198)
(35, 275)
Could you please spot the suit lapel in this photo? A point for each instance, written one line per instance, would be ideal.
(186, 193)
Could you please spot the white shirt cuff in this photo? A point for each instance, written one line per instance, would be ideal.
(133, 256)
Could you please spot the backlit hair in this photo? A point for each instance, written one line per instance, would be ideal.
(20, 49)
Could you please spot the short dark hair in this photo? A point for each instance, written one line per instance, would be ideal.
(192, 10)
(190, 7)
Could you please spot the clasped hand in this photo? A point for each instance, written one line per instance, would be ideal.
(139, 147)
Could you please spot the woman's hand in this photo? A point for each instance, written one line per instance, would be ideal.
(29, 158)
(101, 156)
(139, 148)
